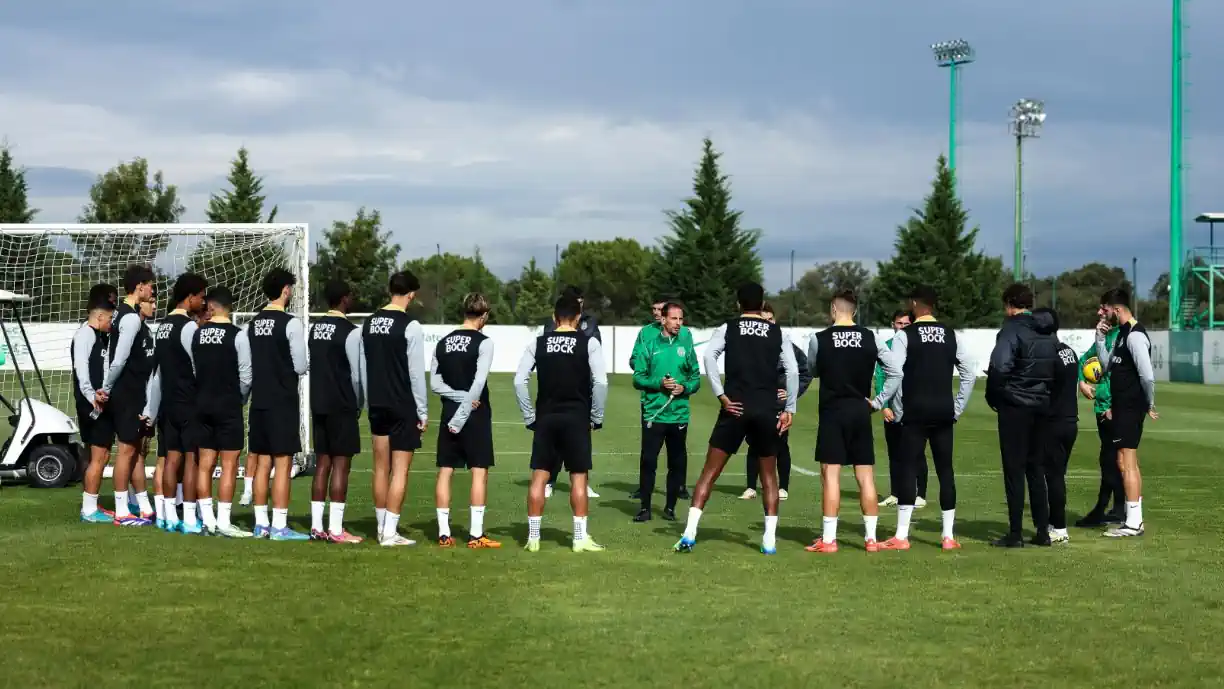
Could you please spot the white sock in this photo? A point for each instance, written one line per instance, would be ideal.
(476, 528)
(336, 518)
(690, 529)
(533, 528)
(189, 513)
(771, 531)
(904, 512)
(316, 515)
(1134, 513)
(829, 534)
(206, 512)
(223, 514)
(390, 526)
(142, 499)
(443, 521)
(159, 506)
(248, 484)
(171, 511)
(261, 515)
(89, 503)
(121, 505)
(949, 517)
(579, 529)
(380, 514)
(178, 495)
(280, 518)
(869, 526)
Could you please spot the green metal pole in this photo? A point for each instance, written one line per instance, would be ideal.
(1175, 175)
(952, 119)
(1018, 259)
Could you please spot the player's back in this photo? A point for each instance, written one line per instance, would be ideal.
(384, 339)
(752, 351)
(458, 357)
(1063, 401)
(930, 356)
(331, 376)
(215, 350)
(563, 374)
(274, 381)
(174, 368)
(95, 364)
(141, 359)
(845, 363)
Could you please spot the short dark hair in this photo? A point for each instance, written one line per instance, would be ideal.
(1050, 312)
(1118, 296)
(221, 296)
(669, 305)
(572, 291)
(846, 295)
(403, 283)
(187, 285)
(750, 296)
(903, 313)
(1018, 296)
(567, 308)
(335, 291)
(475, 305)
(135, 276)
(925, 295)
(275, 282)
(99, 302)
(102, 290)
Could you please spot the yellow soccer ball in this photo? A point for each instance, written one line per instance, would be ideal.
(1092, 370)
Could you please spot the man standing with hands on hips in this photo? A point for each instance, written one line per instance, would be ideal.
(665, 369)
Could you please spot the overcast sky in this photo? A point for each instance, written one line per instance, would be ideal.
(516, 126)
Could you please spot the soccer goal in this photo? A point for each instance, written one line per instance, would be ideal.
(57, 264)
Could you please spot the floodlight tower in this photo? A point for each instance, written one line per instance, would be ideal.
(952, 54)
(1027, 116)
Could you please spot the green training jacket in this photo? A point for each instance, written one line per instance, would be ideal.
(1101, 403)
(655, 356)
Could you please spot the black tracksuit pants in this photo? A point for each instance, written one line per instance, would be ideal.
(1020, 445)
(892, 440)
(915, 437)
(674, 436)
(784, 464)
(1058, 439)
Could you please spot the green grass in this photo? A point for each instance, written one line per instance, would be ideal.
(90, 606)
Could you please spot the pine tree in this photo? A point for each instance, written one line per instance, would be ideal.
(708, 255)
(530, 295)
(359, 252)
(244, 201)
(14, 192)
(934, 248)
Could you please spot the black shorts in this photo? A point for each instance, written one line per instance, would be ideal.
(401, 430)
(274, 432)
(99, 432)
(181, 429)
(844, 437)
(1127, 428)
(470, 448)
(336, 434)
(125, 419)
(760, 430)
(221, 432)
(562, 441)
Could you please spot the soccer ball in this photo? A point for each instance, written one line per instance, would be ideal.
(1092, 370)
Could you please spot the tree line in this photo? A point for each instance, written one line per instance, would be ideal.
(705, 252)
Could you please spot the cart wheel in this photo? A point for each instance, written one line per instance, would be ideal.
(50, 466)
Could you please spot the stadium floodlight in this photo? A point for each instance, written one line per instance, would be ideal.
(1027, 117)
(953, 54)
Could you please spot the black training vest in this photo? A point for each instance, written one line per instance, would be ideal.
(98, 361)
(1064, 405)
(274, 381)
(1125, 388)
(563, 374)
(178, 381)
(216, 356)
(140, 362)
(845, 363)
(926, 389)
(385, 342)
(458, 355)
(753, 350)
(331, 374)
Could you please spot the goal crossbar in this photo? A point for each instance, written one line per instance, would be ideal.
(166, 229)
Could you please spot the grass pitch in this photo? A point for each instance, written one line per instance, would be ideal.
(94, 606)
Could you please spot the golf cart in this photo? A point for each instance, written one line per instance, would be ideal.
(43, 448)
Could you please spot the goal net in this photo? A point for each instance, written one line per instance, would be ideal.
(57, 264)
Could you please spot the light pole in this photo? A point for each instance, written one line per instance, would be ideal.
(1027, 116)
(952, 54)
(1175, 174)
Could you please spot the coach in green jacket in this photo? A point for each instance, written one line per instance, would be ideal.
(665, 370)
(1111, 475)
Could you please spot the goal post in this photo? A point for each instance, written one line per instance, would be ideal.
(56, 264)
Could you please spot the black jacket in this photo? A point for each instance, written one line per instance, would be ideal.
(1022, 364)
(805, 374)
